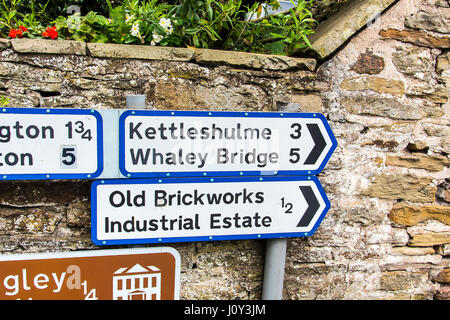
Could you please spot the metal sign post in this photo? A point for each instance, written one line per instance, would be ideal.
(274, 266)
(111, 136)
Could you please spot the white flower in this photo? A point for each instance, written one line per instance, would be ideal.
(156, 37)
(129, 18)
(135, 29)
(166, 24)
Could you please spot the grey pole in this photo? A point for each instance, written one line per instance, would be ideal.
(136, 101)
(111, 140)
(275, 260)
(274, 269)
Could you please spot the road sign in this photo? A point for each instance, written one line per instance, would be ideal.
(117, 274)
(50, 144)
(201, 143)
(133, 211)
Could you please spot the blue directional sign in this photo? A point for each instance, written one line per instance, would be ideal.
(50, 144)
(202, 143)
(161, 210)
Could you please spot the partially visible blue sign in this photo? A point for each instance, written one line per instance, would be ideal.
(162, 210)
(50, 144)
(203, 143)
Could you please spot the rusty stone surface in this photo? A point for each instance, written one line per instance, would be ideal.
(368, 63)
(417, 38)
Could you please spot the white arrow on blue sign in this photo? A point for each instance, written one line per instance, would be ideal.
(203, 143)
(152, 210)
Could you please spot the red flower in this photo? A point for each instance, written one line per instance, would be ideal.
(12, 33)
(15, 33)
(23, 28)
(51, 33)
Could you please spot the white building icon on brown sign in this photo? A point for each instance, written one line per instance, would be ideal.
(137, 283)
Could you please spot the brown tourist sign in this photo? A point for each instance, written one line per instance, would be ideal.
(118, 274)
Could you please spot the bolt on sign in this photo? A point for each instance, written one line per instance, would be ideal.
(116, 274)
(133, 211)
(50, 144)
(201, 143)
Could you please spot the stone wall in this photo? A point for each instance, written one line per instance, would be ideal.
(385, 93)
(388, 233)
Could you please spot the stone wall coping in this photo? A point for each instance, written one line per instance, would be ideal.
(331, 34)
(145, 52)
(49, 46)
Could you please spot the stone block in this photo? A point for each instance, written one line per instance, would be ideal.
(443, 276)
(434, 93)
(308, 102)
(38, 220)
(192, 96)
(402, 280)
(405, 187)
(122, 51)
(377, 84)
(430, 239)
(417, 38)
(436, 130)
(368, 63)
(420, 161)
(443, 293)
(390, 145)
(418, 146)
(409, 215)
(437, 20)
(253, 60)
(49, 46)
(415, 62)
(79, 214)
(412, 251)
(5, 43)
(337, 29)
(391, 108)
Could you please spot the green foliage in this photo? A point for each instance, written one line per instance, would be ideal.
(279, 34)
(4, 101)
(13, 15)
(294, 27)
(219, 24)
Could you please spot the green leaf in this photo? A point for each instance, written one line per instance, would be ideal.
(100, 38)
(191, 31)
(210, 13)
(101, 20)
(276, 47)
(90, 17)
(85, 28)
(305, 38)
(277, 36)
(195, 40)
